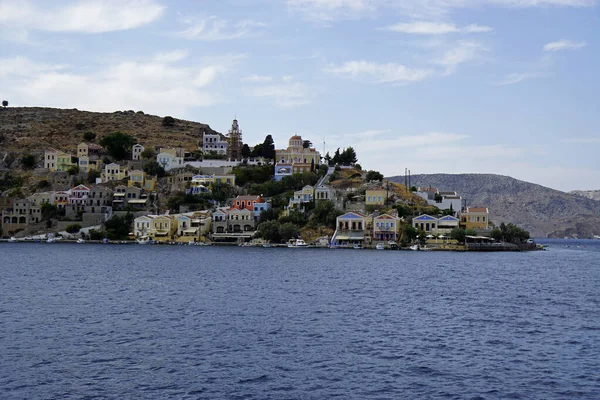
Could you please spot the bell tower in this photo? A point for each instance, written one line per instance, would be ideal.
(234, 142)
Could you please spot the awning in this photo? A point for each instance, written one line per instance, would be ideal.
(139, 201)
(190, 230)
(342, 237)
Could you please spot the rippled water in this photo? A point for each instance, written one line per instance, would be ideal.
(156, 322)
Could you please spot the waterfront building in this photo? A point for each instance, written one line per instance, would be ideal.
(170, 158)
(350, 230)
(426, 223)
(443, 200)
(56, 160)
(385, 227)
(214, 142)
(141, 225)
(475, 218)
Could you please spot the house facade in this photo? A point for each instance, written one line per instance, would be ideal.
(351, 229)
(475, 218)
(295, 159)
(386, 227)
(136, 152)
(375, 197)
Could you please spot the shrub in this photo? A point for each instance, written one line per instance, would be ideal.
(73, 228)
(168, 121)
(89, 136)
(28, 161)
(118, 144)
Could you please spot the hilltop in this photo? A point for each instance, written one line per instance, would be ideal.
(34, 129)
(540, 210)
(590, 194)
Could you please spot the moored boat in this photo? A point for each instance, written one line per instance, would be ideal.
(80, 241)
(297, 243)
(380, 246)
(12, 240)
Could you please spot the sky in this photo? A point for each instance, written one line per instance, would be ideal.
(436, 86)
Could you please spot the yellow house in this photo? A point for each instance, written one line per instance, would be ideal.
(375, 197)
(163, 227)
(150, 182)
(63, 161)
(112, 172)
(136, 178)
(475, 218)
(56, 160)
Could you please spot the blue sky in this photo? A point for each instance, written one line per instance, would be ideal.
(449, 86)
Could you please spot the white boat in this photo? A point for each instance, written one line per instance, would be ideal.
(380, 246)
(414, 247)
(51, 240)
(596, 236)
(143, 240)
(267, 245)
(12, 240)
(80, 241)
(297, 243)
(357, 247)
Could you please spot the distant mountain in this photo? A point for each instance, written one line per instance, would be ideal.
(590, 194)
(34, 129)
(540, 210)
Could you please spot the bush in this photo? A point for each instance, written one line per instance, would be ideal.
(89, 136)
(148, 154)
(73, 228)
(288, 231)
(74, 170)
(43, 184)
(154, 168)
(118, 144)
(374, 176)
(92, 175)
(168, 121)
(28, 161)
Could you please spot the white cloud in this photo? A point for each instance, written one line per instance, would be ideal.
(257, 78)
(517, 77)
(379, 73)
(328, 10)
(154, 86)
(435, 28)
(286, 94)
(564, 44)
(214, 28)
(85, 16)
(171, 56)
(464, 51)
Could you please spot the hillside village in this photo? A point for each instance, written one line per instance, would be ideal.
(221, 190)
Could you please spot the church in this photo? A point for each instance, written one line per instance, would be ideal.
(297, 158)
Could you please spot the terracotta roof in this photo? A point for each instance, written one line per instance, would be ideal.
(296, 137)
(477, 209)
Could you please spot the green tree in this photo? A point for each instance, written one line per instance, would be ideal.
(246, 151)
(4, 103)
(496, 234)
(49, 211)
(118, 145)
(89, 136)
(373, 176)
(348, 157)
(154, 168)
(148, 154)
(268, 148)
(409, 233)
(73, 170)
(438, 198)
(43, 184)
(73, 228)
(288, 231)
(168, 121)
(306, 144)
(118, 226)
(295, 217)
(458, 234)
(28, 161)
(92, 175)
(324, 214)
(269, 230)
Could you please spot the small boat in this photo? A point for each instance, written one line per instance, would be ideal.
(596, 236)
(143, 240)
(357, 247)
(380, 246)
(267, 245)
(415, 247)
(51, 240)
(80, 241)
(12, 240)
(297, 243)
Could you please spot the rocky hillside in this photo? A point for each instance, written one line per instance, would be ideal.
(590, 194)
(34, 129)
(540, 210)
